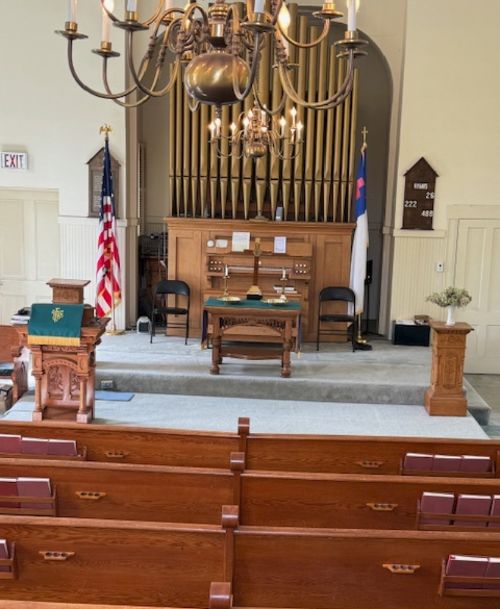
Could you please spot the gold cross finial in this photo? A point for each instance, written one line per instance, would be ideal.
(364, 133)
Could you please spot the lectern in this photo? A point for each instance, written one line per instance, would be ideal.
(65, 374)
(446, 396)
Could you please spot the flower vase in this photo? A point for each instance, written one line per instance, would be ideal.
(450, 320)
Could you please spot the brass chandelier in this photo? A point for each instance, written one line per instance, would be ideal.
(220, 48)
(258, 134)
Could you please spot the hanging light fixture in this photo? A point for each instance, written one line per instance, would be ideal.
(257, 135)
(220, 47)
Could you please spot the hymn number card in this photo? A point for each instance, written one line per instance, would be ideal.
(420, 188)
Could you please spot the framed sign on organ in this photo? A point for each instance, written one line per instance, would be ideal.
(419, 196)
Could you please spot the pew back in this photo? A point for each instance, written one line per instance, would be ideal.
(113, 562)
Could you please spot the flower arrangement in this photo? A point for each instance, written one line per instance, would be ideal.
(450, 297)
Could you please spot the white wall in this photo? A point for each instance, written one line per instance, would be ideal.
(45, 113)
(450, 115)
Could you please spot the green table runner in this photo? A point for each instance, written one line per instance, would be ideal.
(252, 304)
(55, 324)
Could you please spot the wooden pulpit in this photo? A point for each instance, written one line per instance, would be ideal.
(65, 375)
(446, 396)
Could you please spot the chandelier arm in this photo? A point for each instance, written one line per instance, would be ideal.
(275, 15)
(307, 45)
(240, 95)
(264, 108)
(151, 91)
(86, 87)
(324, 104)
(186, 19)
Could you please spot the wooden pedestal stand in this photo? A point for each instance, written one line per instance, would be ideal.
(445, 396)
(65, 375)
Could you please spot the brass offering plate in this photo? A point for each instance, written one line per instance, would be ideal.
(230, 299)
(275, 301)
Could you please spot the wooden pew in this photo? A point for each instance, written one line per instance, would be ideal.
(178, 494)
(123, 444)
(41, 605)
(114, 562)
(266, 452)
(131, 492)
(10, 352)
(352, 569)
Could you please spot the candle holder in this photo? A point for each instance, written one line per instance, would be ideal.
(283, 281)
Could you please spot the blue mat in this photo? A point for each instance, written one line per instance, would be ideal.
(114, 396)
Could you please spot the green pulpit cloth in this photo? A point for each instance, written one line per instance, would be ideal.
(55, 324)
(253, 304)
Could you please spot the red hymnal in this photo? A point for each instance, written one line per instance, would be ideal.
(475, 464)
(34, 446)
(417, 462)
(8, 488)
(446, 463)
(10, 443)
(493, 570)
(66, 448)
(478, 505)
(495, 510)
(466, 566)
(439, 503)
(4, 553)
(34, 487)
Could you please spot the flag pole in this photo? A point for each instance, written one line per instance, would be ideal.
(113, 331)
(361, 342)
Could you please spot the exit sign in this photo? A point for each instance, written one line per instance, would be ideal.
(14, 160)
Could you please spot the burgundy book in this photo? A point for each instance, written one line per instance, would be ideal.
(446, 463)
(495, 511)
(4, 553)
(472, 504)
(66, 448)
(8, 487)
(466, 566)
(493, 570)
(34, 446)
(34, 487)
(417, 462)
(439, 503)
(10, 443)
(475, 464)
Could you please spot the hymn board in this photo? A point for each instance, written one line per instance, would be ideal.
(420, 188)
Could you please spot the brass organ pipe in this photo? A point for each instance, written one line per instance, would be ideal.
(301, 89)
(186, 160)
(203, 157)
(224, 161)
(352, 144)
(338, 146)
(172, 139)
(320, 129)
(195, 156)
(214, 174)
(330, 122)
(178, 150)
(310, 126)
(345, 160)
(287, 163)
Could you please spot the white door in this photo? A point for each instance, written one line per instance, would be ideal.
(478, 270)
(29, 248)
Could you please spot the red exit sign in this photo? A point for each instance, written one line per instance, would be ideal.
(14, 160)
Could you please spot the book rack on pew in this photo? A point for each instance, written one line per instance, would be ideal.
(80, 456)
(448, 474)
(49, 505)
(8, 565)
(459, 585)
(478, 522)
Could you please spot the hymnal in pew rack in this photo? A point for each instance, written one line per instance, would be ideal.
(458, 585)
(80, 456)
(49, 505)
(8, 563)
(404, 471)
(478, 522)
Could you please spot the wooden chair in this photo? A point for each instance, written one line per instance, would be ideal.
(10, 353)
(161, 307)
(337, 294)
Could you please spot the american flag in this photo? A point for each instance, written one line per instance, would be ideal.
(108, 256)
(360, 242)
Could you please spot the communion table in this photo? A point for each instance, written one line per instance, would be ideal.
(252, 329)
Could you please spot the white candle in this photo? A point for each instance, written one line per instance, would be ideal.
(259, 6)
(131, 6)
(169, 4)
(72, 11)
(351, 15)
(226, 271)
(106, 21)
(283, 274)
(282, 126)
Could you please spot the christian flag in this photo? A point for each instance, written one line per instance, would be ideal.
(108, 256)
(360, 242)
